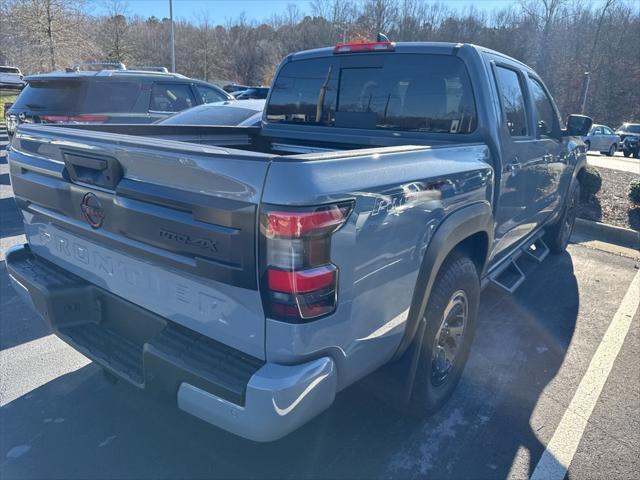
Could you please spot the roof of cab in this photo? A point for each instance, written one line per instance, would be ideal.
(442, 48)
(401, 47)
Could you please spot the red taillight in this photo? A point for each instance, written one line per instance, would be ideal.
(364, 47)
(298, 224)
(74, 118)
(299, 280)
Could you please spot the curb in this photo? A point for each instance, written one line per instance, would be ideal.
(603, 232)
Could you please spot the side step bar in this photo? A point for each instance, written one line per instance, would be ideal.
(509, 276)
(538, 250)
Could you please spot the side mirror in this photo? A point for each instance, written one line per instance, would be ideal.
(578, 126)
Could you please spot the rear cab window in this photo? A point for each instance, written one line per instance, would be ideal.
(408, 92)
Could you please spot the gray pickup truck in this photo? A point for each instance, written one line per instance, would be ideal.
(253, 272)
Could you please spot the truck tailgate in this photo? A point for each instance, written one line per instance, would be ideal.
(169, 226)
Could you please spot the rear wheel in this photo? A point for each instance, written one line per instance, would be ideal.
(448, 329)
(626, 153)
(558, 234)
(613, 150)
(587, 144)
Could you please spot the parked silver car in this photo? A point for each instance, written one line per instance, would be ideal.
(602, 139)
(246, 113)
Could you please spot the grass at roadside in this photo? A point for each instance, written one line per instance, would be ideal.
(611, 204)
(5, 98)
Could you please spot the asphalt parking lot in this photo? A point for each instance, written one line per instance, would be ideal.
(61, 418)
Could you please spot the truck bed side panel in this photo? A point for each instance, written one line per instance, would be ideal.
(400, 199)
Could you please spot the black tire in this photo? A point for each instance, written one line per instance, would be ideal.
(636, 154)
(456, 289)
(587, 145)
(612, 150)
(626, 153)
(558, 234)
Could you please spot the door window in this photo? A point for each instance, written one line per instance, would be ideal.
(546, 119)
(171, 97)
(109, 96)
(210, 95)
(512, 99)
(607, 131)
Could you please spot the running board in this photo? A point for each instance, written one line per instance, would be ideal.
(509, 276)
(538, 250)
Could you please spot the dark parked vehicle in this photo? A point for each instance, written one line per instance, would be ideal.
(253, 93)
(245, 113)
(234, 87)
(627, 129)
(254, 273)
(108, 96)
(631, 146)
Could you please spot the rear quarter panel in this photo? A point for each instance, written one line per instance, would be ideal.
(400, 199)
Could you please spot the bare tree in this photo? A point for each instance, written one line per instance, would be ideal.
(545, 12)
(115, 32)
(561, 38)
(50, 32)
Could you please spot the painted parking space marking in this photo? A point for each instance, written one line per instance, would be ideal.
(557, 457)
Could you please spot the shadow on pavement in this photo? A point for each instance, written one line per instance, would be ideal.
(10, 220)
(18, 323)
(82, 426)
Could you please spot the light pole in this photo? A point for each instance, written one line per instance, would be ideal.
(172, 38)
(586, 91)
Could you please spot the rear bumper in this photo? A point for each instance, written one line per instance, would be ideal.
(227, 388)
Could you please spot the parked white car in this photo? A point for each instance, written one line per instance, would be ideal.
(11, 77)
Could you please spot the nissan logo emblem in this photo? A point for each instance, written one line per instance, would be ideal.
(92, 210)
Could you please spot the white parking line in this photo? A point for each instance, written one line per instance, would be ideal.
(555, 460)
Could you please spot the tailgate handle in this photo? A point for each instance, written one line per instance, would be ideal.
(101, 171)
(87, 162)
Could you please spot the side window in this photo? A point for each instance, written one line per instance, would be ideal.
(597, 131)
(607, 131)
(209, 95)
(512, 100)
(546, 118)
(171, 97)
